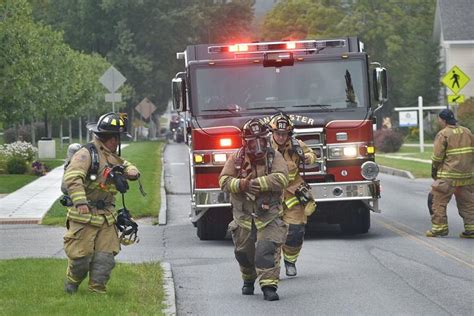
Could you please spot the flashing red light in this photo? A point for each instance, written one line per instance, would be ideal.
(291, 45)
(225, 142)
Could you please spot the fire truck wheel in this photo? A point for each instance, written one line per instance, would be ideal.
(213, 224)
(357, 221)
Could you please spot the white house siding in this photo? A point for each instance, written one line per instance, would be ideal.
(461, 55)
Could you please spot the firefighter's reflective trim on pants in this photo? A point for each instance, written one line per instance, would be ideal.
(436, 159)
(469, 227)
(438, 228)
(290, 258)
(74, 173)
(292, 201)
(283, 179)
(249, 277)
(460, 151)
(262, 181)
(79, 196)
(268, 282)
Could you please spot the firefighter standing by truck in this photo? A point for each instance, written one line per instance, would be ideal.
(452, 170)
(298, 202)
(91, 240)
(255, 177)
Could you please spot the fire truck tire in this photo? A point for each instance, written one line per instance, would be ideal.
(212, 225)
(357, 221)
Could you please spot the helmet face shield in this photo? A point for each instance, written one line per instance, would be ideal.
(256, 147)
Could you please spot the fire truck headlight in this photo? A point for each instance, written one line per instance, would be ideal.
(342, 152)
(219, 158)
(369, 170)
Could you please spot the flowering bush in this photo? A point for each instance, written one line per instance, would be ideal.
(38, 168)
(23, 150)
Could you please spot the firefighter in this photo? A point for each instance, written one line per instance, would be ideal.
(91, 240)
(452, 170)
(255, 177)
(298, 203)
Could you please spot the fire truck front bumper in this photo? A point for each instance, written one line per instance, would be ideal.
(367, 191)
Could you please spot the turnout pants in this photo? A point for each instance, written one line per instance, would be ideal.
(258, 252)
(296, 219)
(91, 249)
(442, 192)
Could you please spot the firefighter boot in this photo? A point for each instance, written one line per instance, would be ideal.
(70, 288)
(290, 268)
(437, 233)
(467, 234)
(269, 293)
(248, 288)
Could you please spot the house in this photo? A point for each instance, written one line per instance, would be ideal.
(454, 30)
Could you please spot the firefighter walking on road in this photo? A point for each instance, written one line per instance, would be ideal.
(452, 170)
(255, 177)
(298, 202)
(91, 240)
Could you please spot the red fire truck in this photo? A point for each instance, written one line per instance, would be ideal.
(323, 85)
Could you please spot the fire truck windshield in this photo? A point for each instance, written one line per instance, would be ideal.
(328, 85)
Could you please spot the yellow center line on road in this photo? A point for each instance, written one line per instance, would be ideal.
(420, 241)
(438, 240)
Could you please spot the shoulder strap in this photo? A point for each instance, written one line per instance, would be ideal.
(270, 157)
(94, 168)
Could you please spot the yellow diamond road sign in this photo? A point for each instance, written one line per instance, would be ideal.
(456, 98)
(455, 79)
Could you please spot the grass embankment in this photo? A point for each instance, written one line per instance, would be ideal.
(418, 169)
(35, 287)
(147, 157)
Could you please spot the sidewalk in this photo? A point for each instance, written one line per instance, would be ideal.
(29, 204)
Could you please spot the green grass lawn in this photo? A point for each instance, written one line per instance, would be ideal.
(418, 169)
(12, 182)
(147, 157)
(35, 287)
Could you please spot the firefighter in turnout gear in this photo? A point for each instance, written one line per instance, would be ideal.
(255, 177)
(452, 170)
(91, 240)
(298, 202)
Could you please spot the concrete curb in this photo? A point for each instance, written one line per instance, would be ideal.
(162, 217)
(168, 286)
(396, 172)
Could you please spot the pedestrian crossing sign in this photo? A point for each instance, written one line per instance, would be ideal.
(455, 98)
(455, 79)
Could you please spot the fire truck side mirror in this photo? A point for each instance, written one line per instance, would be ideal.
(178, 91)
(380, 84)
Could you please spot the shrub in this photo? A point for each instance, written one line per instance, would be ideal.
(23, 133)
(388, 140)
(38, 168)
(23, 150)
(16, 165)
(466, 114)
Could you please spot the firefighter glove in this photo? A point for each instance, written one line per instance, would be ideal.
(243, 185)
(254, 187)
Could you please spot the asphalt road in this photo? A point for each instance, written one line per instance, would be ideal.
(393, 269)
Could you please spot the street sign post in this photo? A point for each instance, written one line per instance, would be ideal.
(455, 79)
(420, 110)
(112, 80)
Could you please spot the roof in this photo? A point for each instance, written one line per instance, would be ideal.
(456, 18)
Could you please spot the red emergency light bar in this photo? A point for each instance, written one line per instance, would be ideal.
(306, 45)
